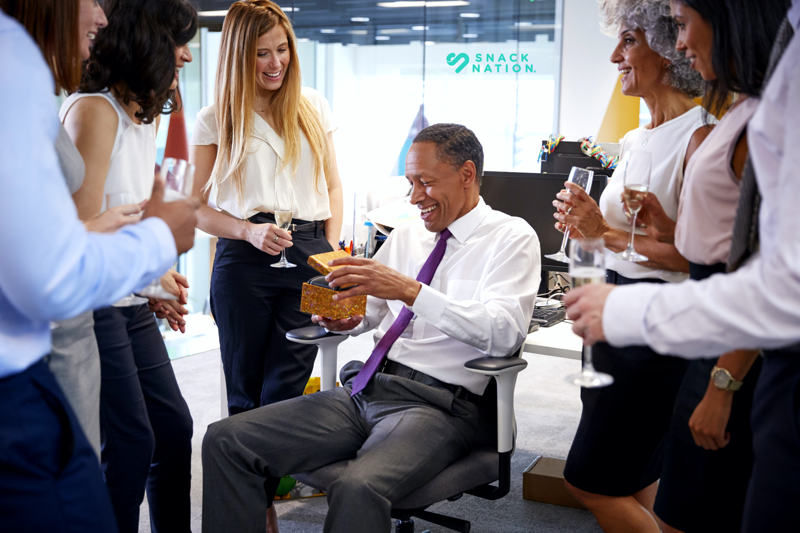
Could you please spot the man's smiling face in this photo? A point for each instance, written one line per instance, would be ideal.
(439, 190)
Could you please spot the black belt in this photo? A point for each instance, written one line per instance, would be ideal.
(269, 218)
(401, 370)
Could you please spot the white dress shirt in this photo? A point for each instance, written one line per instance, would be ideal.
(51, 268)
(758, 306)
(264, 168)
(480, 300)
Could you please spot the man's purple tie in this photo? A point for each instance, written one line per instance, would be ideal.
(403, 319)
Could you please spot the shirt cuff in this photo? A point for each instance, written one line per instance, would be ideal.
(624, 311)
(429, 304)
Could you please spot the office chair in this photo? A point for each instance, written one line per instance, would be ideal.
(472, 474)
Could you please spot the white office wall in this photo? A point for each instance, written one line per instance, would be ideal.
(588, 77)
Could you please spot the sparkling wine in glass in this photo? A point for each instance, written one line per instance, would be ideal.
(284, 204)
(587, 266)
(582, 178)
(116, 199)
(178, 176)
(635, 167)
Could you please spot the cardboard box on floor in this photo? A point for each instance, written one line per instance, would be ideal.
(543, 481)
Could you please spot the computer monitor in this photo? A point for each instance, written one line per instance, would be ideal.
(530, 197)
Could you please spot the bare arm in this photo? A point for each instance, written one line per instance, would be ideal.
(333, 226)
(585, 216)
(697, 139)
(92, 125)
(223, 225)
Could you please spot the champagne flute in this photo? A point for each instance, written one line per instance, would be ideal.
(116, 199)
(284, 204)
(586, 266)
(635, 166)
(582, 178)
(178, 176)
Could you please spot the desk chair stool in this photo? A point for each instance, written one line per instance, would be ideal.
(472, 474)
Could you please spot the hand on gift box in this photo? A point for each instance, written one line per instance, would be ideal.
(372, 278)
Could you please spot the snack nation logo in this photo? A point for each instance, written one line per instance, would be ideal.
(494, 63)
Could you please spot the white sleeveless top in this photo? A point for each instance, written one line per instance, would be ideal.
(262, 167)
(711, 193)
(133, 158)
(667, 143)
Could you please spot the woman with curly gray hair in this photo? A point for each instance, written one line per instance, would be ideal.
(616, 456)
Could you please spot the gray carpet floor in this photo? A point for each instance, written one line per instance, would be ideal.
(547, 410)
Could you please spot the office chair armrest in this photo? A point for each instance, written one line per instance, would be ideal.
(328, 343)
(494, 366)
(504, 370)
(310, 335)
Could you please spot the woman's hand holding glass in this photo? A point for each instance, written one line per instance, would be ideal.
(172, 310)
(582, 178)
(262, 236)
(115, 218)
(653, 220)
(580, 212)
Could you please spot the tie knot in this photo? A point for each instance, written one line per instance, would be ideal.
(445, 234)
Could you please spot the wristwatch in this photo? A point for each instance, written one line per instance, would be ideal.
(722, 379)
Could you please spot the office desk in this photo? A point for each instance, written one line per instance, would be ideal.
(556, 341)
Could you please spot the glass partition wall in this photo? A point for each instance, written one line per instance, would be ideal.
(386, 67)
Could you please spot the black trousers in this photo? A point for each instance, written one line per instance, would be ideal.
(50, 481)
(774, 488)
(254, 306)
(145, 424)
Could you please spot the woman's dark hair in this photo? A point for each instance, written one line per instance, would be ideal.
(744, 31)
(455, 144)
(134, 56)
(53, 24)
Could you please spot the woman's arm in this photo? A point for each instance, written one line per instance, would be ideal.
(223, 225)
(710, 417)
(585, 217)
(92, 124)
(333, 226)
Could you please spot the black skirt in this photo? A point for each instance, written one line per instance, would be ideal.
(704, 490)
(618, 448)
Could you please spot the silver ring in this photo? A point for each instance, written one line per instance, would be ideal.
(570, 209)
(276, 238)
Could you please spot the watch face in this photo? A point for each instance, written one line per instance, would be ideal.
(721, 379)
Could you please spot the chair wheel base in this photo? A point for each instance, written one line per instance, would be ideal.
(404, 526)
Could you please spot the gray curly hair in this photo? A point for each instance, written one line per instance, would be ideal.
(654, 18)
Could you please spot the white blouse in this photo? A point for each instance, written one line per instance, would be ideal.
(133, 158)
(667, 143)
(262, 172)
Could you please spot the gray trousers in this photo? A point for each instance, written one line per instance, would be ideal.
(397, 435)
(75, 362)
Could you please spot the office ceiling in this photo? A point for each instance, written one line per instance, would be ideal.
(497, 21)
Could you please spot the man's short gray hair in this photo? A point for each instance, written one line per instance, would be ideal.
(654, 18)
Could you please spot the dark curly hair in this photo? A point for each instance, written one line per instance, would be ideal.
(134, 56)
(455, 144)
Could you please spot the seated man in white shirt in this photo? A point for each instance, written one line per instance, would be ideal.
(419, 409)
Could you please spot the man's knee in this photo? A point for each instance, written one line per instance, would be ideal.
(218, 438)
(354, 487)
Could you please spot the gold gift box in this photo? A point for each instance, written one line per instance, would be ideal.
(318, 299)
(320, 263)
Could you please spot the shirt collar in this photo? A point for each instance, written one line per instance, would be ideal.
(794, 14)
(463, 227)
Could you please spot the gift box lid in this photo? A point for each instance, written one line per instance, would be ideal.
(320, 261)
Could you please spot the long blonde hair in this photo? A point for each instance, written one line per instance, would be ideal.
(245, 22)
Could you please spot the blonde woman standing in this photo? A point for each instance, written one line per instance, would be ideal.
(264, 131)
